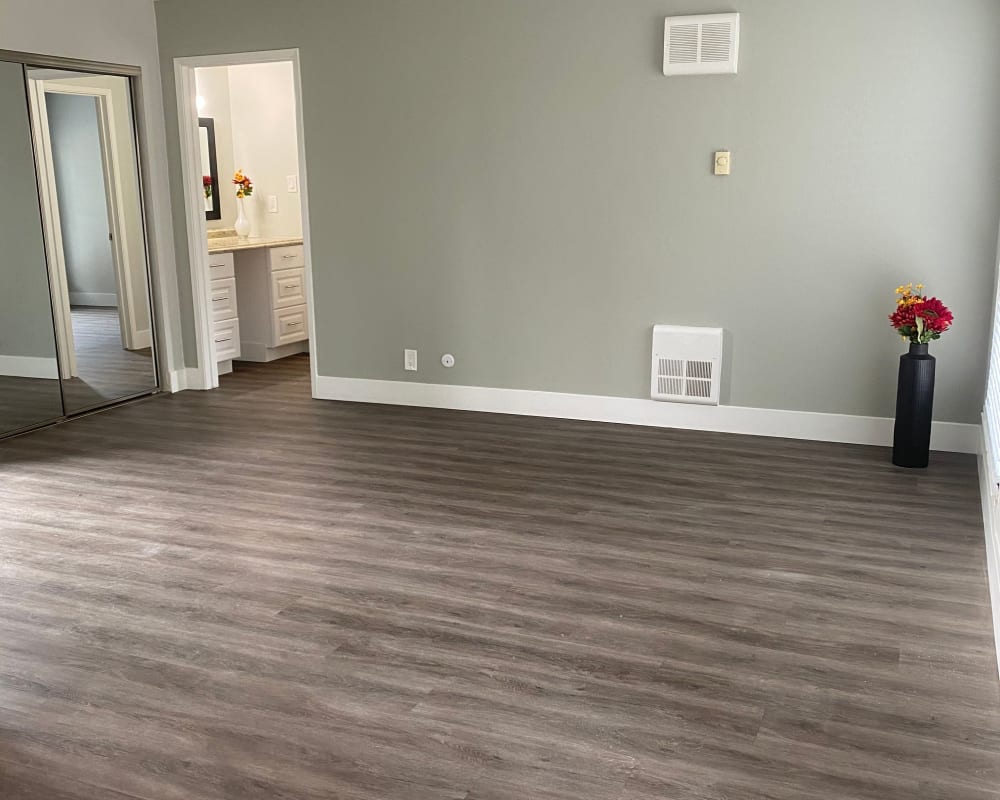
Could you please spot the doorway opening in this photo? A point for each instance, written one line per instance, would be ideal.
(243, 162)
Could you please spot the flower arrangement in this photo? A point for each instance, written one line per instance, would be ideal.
(206, 181)
(244, 186)
(919, 318)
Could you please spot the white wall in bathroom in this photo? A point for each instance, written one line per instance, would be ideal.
(262, 97)
(253, 106)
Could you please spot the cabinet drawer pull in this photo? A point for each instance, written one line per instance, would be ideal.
(219, 299)
(292, 324)
(290, 256)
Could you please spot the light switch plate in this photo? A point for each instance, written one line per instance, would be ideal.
(723, 159)
(292, 182)
(272, 203)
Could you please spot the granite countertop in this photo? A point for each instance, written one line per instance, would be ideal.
(228, 242)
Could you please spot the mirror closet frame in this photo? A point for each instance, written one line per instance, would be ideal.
(133, 75)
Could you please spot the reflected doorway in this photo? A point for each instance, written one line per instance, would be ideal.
(90, 197)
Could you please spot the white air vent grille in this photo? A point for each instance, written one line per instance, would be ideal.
(701, 45)
(687, 364)
(682, 43)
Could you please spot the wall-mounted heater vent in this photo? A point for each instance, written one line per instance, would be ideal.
(687, 364)
(708, 44)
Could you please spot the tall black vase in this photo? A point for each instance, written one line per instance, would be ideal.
(911, 441)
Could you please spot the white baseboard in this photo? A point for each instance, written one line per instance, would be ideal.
(93, 299)
(29, 367)
(946, 436)
(991, 520)
(183, 379)
(142, 340)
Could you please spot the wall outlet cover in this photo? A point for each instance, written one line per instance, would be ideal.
(723, 162)
(410, 360)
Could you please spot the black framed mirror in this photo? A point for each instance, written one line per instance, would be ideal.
(209, 168)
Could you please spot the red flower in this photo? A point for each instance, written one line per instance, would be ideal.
(936, 315)
(206, 180)
(904, 316)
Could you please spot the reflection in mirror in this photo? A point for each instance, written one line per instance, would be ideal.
(29, 372)
(209, 168)
(97, 251)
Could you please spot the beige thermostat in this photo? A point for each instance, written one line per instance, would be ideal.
(722, 161)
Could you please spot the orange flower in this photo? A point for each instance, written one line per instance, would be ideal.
(243, 183)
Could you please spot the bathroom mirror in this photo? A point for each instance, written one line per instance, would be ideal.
(209, 168)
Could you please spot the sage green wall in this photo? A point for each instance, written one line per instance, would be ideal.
(515, 182)
(25, 308)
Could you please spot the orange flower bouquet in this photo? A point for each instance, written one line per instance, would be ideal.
(244, 186)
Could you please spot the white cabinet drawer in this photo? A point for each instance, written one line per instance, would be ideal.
(290, 325)
(220, 265)
(287, 257)
(288, 288)
(226, 339)
(223, 299)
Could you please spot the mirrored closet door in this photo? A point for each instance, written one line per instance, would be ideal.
(78, 333)
(29, 371)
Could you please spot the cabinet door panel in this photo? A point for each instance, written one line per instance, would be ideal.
(288, 288)
(290, 325)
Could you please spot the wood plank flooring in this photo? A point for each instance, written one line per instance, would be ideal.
(248, 594)
(106, 370)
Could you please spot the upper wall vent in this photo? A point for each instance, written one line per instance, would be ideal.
(687, 364)
(708, 44)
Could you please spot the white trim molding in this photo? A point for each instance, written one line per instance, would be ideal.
(184, 379)
(946, 436)
(29, 367)
(102, 299)
(989, 490)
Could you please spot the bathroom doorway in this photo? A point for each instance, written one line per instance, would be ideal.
(243, 163)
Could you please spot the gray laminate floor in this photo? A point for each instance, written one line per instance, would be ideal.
(247, 594)
(106, 370)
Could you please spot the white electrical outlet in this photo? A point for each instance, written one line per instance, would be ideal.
(410, 360)
(272, 203)
(292, 182)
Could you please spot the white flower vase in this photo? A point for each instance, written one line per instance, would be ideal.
(242, 225)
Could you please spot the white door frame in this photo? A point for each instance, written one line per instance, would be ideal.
(53, 242)
(132, 337)
(207, 371)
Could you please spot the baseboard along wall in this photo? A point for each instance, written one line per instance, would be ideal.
(946, 436)
(29, 367)
(105, 300)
